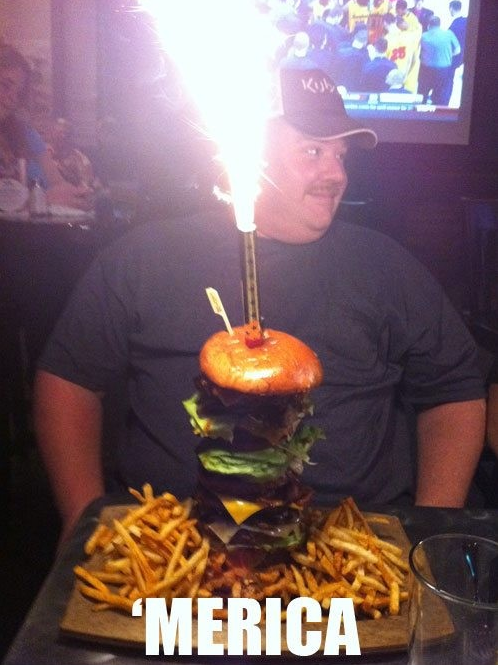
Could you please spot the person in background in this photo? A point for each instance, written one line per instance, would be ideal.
(385, 333)
(351, 60)
(438, 48)
(337, 35)
(458, 27)
(402, 12)
(423, 14)
(298, 54)
(18, 140)
(373, 77)
(283, 15)
(402, 48)
(356, 12)
(411, 38)
(394, 81)
(378, 8)
(73, 165)
(318, 52)
(319, 7)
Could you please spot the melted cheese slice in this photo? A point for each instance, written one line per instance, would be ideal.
(239, 509)
(225, 532)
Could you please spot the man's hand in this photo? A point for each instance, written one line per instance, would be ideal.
(450, 442)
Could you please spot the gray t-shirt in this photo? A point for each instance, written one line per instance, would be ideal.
(383, 329)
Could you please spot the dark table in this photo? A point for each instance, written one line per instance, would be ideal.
(39, 641)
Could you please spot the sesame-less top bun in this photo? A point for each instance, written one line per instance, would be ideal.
(281, 365)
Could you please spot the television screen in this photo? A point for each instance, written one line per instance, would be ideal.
(405, 67)
(407, 72)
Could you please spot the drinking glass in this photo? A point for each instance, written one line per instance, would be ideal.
(453, 612)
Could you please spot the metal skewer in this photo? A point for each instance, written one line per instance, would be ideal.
(249, 277)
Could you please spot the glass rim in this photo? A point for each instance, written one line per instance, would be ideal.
(476, 604)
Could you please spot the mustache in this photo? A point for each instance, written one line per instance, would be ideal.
(331, 189)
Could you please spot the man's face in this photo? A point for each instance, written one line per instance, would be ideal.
(12, 81)
(304, 183)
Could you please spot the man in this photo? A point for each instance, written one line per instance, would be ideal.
(318, 53)
(402, 49)
(319, 7)
(422, 13)
(382, 328)
(402, 12)
(395, 80)
(337, 35)
(352, 59)
(459, 28)
(356, 12)
(298, 54)
(373, 78)
(438, 48)
(411, 39)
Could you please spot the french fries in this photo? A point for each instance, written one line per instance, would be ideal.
(157, 549)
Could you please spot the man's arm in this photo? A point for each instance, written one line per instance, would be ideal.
(450, 441)
(68, 426)
(456, 46)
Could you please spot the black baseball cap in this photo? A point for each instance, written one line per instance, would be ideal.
(309, 100)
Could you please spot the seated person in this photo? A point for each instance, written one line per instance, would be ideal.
(73, 165)
(382, 327)
(19, 140)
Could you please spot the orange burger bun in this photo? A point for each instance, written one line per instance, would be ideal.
(281, 365)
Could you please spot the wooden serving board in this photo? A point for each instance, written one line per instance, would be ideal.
(115, 627)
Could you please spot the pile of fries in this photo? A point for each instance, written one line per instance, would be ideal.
(155, 550)
(158, 550)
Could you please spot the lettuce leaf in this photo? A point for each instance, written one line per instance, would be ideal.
(261, 465)
(212, 428)
(298, 446)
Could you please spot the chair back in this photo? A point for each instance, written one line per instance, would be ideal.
(357, 211)
(481, 248)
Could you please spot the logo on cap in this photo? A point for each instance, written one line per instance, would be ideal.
(318, 86)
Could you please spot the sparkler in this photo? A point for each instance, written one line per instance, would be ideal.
(223, 49)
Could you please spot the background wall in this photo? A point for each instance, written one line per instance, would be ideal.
(74, 39)
(27, 26)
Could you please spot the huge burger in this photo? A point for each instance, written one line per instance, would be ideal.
(251, 398)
